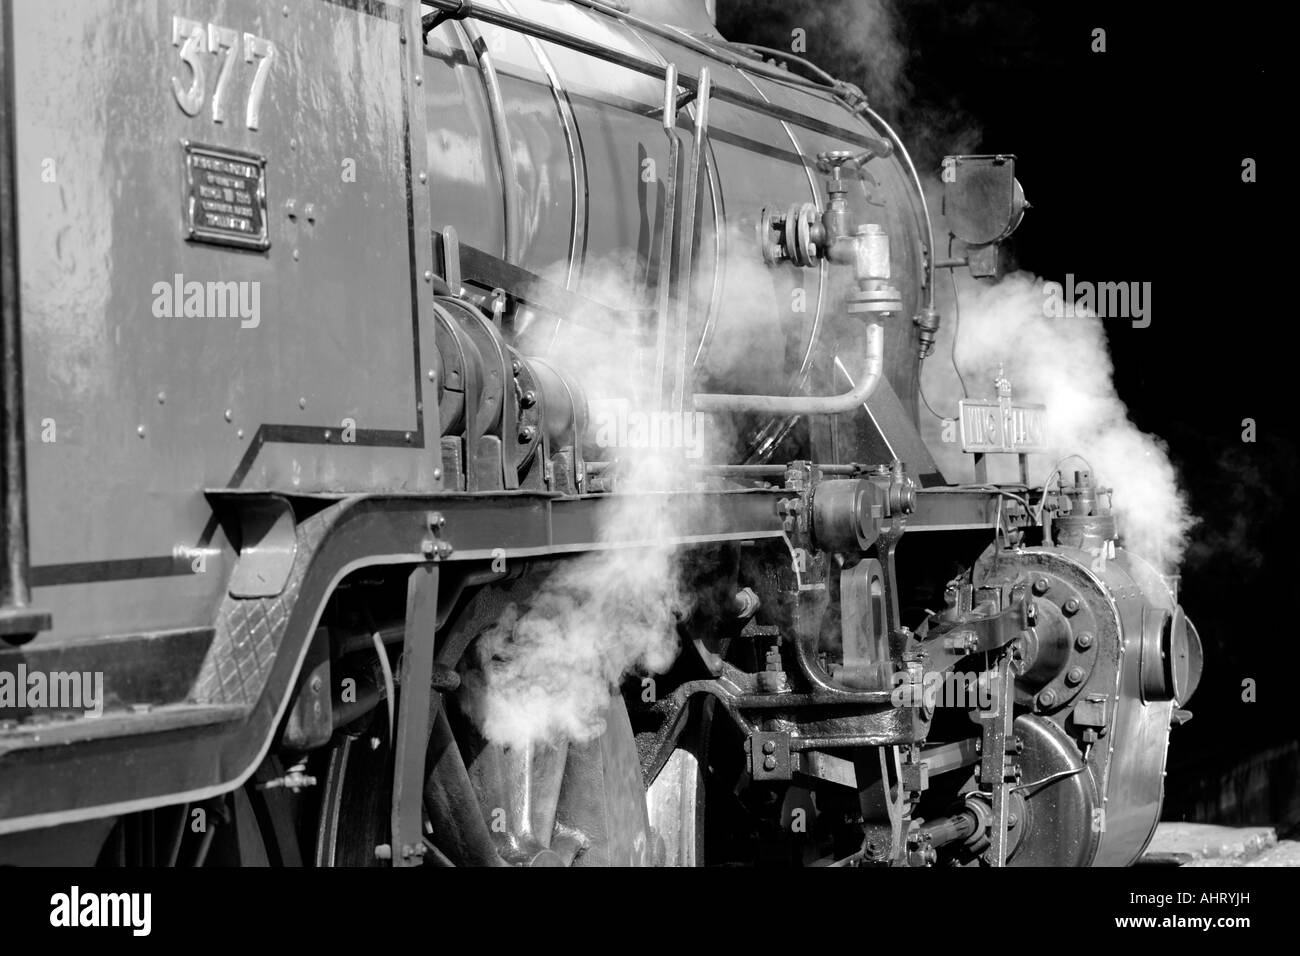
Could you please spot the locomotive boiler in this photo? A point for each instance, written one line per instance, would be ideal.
(314, 315)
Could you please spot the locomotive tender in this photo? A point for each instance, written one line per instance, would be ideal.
(293, 411)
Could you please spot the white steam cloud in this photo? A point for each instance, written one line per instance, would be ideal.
(1063, 363)
(545, 671)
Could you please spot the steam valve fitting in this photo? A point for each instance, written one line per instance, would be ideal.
(871, 266)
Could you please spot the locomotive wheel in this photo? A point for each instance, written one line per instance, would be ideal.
(491, 805)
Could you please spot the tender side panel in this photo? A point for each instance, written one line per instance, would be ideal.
(160, 365)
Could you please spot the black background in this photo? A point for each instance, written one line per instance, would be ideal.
(1132, 160)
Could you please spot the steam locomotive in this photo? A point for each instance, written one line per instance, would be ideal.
(302, 307)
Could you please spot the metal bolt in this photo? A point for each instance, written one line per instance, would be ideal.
(427, 546)
(769, 747)
(1071, 606)
(528, 399)
(769, 763)
(527, 433)
(1041, 586)
(1083, 641)
(315, 684)
(978, 768)
(1012, 820)
(1075, 676)
(1047, 698)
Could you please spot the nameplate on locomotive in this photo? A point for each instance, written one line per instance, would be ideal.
(1001, 426)
(225, 196)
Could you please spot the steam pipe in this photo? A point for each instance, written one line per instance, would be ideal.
(873, 366)
(920, 193)
(501, 133)
(711, 50)
(460, 9)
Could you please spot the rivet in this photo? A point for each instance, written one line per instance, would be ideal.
(295, 255)
(424, 177)
(433, 375)
(291, 209)
(162, 397)
(769, 747)
(437, 472)
(140, 431)
(769, 763)
(285, 11)
(293, 144)
(327, 434)
(302, 403)
(239, 433)
(230, 416)
(418, 79)
(428, 276)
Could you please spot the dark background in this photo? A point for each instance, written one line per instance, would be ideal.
(1132, 162)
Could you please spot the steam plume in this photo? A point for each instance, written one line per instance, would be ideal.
(1063, 363)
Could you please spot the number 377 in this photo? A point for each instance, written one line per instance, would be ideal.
(198, 39)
